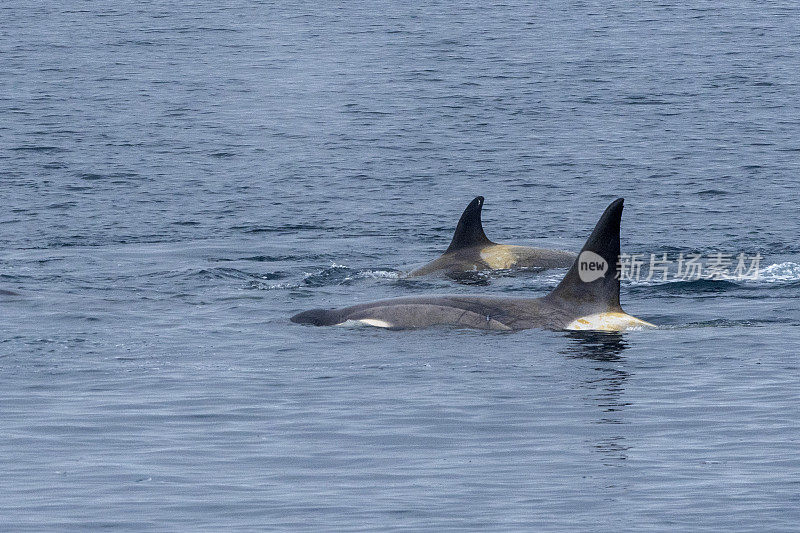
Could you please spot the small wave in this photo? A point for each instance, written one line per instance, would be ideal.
(333, 275)
(274, 229)
(342, 275)
(223, 273)
(778, 273)
(38, 148)
(721, 323)
(263, 258)
(786, 272)
(713, 192)
(260, 286)
(693, 285)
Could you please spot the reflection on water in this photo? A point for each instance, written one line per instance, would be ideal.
(606, 385)
(472, 277)
(597, 345)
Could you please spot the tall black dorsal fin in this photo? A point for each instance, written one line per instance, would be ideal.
(584, 283)
(469, 231)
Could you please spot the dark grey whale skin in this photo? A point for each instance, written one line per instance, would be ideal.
(571, 299)
(469, 241)
(477, 312)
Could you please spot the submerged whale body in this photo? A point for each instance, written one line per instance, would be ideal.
(472, 250)
(586, 299)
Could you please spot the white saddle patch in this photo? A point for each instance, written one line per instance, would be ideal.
(612, 321)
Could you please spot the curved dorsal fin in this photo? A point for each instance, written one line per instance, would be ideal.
(469, 231)
(582, 285)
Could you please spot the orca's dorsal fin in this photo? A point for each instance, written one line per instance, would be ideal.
(469, 231)
(583, 284)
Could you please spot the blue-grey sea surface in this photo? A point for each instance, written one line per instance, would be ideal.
(178, 178)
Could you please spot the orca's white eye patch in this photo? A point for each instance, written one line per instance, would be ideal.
(375, 322)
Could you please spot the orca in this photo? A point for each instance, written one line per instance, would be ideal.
(471, 250)
(586, 299)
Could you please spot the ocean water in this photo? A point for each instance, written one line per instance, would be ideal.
(180, 178)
